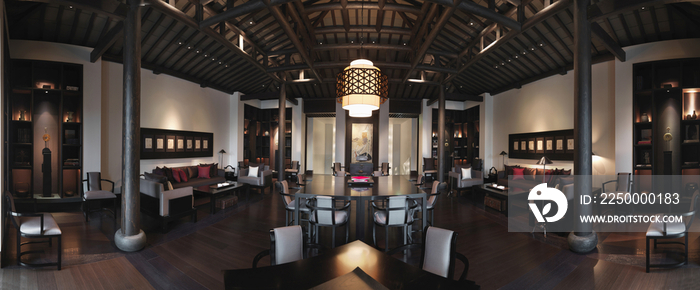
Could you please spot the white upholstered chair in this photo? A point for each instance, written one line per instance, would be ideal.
(33, 226)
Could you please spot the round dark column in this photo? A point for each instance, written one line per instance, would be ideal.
(441, 134)
(130, 237)
(282, 128)
(583, 239)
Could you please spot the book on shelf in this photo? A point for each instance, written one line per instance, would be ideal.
(644, 142)
(71, 162)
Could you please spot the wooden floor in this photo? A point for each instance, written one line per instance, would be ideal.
(192, 255)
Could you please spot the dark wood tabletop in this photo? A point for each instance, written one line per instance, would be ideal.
(337, 187)
(214, 191)
(307, 273)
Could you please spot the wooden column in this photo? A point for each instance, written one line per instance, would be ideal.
(130, 237)
(582, 239)
(282, 128)
(441, 134)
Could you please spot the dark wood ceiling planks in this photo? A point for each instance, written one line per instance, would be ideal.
(470, 47)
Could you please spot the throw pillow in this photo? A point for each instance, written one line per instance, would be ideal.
(253, 171)
(192, 172)
(203, 171)
(176, 174)
(466, 173)
(183, 175)
(212, 169)
(159, 171)
(169, 174)
(529, 173)
(170, 185)
(157, 178)
(565, 172)
(518, 173)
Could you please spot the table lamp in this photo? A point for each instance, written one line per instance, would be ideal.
(221, 158)
(544, 161)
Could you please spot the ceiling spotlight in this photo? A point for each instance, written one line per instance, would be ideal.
(503, 63)
(189, 47)
(643, 8)
(495, 66)
(251, 22)
(320, 42)
(540, 43)
(404, 43)
(471, 23)
(516, 56)
(214, 59)
(226, 65)
(206, 55)
(509, 60)
(263, 86)
(352, 41)
(532, 48)
(179, 43)
(374, 41)
(198, 51)
(220, 63)
(71, 7)
(524, 52)
(460, 87)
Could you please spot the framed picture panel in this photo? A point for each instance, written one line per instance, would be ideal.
(161, 144)
(556, 145)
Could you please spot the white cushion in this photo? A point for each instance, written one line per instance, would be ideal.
(99, 194)
(32, 226)
(340, 217)
(466, 173)
(657, 229)
(289, 244)
(438, 243)
(253, 171)
(292, 204)
(380, 218)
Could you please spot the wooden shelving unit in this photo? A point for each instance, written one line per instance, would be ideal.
(44, 97)
(462, 134)
(261, 126)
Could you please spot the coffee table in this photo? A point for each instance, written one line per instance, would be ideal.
(215, 192)
(494, 198)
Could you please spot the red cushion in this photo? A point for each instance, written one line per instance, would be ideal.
(548, 175)
(176, 174)
(518, 173)
(203, 171)
(183, 175)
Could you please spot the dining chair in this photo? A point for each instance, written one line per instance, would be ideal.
(286, 246)
(337, 169)
(420, 180)
(438, 253)
(324, 213)
(671, 230)
(95, 193)
(289, 202)
(395, 214)
(435, 191)
(429, 169)
(623, 185)
(33, 226)
(293, 170)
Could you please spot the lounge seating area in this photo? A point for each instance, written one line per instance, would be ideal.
(220, 144)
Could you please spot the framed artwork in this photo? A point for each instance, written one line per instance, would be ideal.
(197, 144)
(523, 146)
(147, 143)
(549, 144)
(691, 133)
(170, 143)
(361, 142)
(160, 143)
(531, 145)
(569, 144)
(515, 145)
(180, 146)
(540, 145)
(559, 144)
(189, 147)
(205, 144)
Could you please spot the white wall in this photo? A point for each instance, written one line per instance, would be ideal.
(92, 89)
(683, 48)
(167, 103)
(322, 143)
(548, 105)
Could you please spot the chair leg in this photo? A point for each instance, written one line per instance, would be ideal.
(386, 241)
(647, 265)
(19, 248)
(59, 252)
(686, 249)
(347, 232)
(374, 234)
(333, 238)
(86, 210)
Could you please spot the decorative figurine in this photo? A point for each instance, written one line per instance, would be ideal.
(22, 116)
(645, 117)
(70, 117)
(694, 115)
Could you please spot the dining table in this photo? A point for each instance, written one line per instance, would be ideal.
(355, 266)
(343, 188)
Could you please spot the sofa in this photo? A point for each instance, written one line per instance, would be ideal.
(531, 177)
(459, 184)
(193, 179)
(166, 205)
(261, 181)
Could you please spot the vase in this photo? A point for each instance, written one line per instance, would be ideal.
(694, 115)
(645, 117)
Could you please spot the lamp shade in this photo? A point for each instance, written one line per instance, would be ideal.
(544, 161)
(503, 153)
(361, 88)
(222, 151)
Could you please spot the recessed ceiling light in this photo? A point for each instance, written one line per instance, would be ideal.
(516, 56)
(643, 8)
(503, 63)
(251, 22)
(214, 59)
(206, 55)
(471, 23)
(179, 43)
(220, 63)
(509, 60)
(352, 41)
(197, 51)
(495, 66)
(226, 65)
(71, 7)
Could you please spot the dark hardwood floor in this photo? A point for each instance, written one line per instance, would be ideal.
(192, 255)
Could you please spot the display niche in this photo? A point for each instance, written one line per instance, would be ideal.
(44, 130)
(461, 137)
(260, 140)
(666, 101)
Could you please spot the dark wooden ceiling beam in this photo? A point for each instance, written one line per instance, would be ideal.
(457, 97)
(240, 10)
(162, 37)
(682, 9)
(58, 25)
(640, 26)
(91, 24)
(380, 15)
(110, 8)
(609, 43)
(153, 29)
(232, 27)
(435, 30)
(74, 27)
(655, 20)
(345, 14)
(360, 5)
(282, 20)
(366, 46)
(628, 33)
(363, 28)
(268, 96)
(215, 36)
(531, 22)
(106, 42)
(476, 9)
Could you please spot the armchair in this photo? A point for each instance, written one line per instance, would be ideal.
(675, 230)
(261, 181)
(33, 226)
(286, 246)
(95, 193)
(166, 205)
(429, 170)
(460, 181)
(293, 170)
